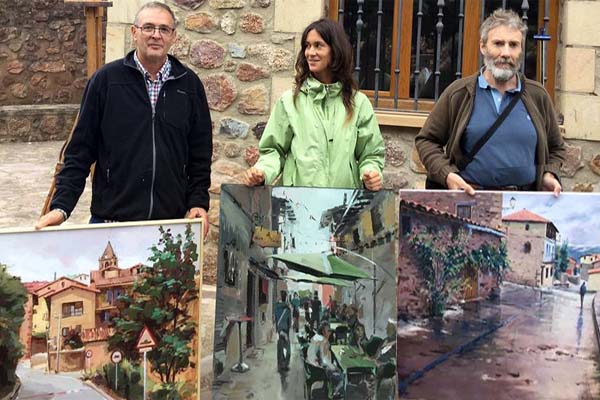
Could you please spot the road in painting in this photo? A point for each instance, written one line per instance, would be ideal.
(490, 297)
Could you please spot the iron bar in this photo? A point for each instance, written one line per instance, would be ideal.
(461, 21)
(524, 9)
(359, 26)
(397, 69)
(418, 55)
(439, 28)
(378, 53)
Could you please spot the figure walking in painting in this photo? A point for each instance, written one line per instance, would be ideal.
(582, 292)
(323, 133)
(283, 319)
(315, 314)
(295, 311)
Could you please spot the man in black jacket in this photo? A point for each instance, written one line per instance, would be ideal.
(144, 120)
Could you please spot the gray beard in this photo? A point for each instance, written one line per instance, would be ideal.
(501, 74)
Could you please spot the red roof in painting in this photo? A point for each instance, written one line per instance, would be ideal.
(434, 211)
(525, 216)
(31, 287)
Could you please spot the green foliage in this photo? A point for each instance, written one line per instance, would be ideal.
(162, 299)
(492, 259)
(171, 391)
(443, 258)
(12, 299)
(128, 379)
(561, 259)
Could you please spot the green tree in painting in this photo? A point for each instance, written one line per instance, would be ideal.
(162, 299)
(12, 299)
(561, 259)
(443, 257)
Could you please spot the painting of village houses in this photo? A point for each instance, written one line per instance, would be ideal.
(496, 295)
(306, 294)
(108, 311)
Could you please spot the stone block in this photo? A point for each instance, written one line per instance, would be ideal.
(252, 23)
(203, 22)
(286, 21)
(223, 4)
(578, 70)
(123, 12)
(582, 116)
(220, 91)
(237, 50)
(207, 54)
(229, 22)
(279, 84)
(580, 23)
(115, 42)
(254, 101)
(191, 4)
(247, 72)
(233, 127)
(251, 155)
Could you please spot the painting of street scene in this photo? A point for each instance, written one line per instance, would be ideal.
(306, 294)
(496, 295)
(104, 311)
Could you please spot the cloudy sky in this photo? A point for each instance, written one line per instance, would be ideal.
(575, 215)
(38, 256)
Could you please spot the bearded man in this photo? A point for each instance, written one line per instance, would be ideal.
(496, 130)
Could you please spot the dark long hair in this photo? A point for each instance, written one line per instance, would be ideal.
(341, 60)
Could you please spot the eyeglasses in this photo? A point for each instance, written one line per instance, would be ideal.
(150, 29)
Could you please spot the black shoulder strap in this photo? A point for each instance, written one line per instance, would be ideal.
(492, 129)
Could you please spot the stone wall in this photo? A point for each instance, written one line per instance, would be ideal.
(42, 52)
(42, 69)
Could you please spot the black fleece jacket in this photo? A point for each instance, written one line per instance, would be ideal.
(147, 167)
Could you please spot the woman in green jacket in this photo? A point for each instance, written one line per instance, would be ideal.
(323, 132)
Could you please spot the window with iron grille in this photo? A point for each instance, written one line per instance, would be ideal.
(408, 51)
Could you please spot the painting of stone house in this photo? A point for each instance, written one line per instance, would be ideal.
(451, 221)
(531, 244)
(516, 343)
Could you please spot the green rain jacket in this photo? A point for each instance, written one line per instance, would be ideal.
(314, 144)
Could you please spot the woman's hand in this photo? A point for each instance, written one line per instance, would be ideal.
(253, 177)
(372, 180)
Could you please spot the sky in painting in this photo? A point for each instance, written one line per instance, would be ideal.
(575, 215)
(38, 256)
(308, 205)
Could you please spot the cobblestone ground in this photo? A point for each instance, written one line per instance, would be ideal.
(26, 171)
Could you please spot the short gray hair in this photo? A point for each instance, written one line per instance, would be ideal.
(501, 17)
(159, 5)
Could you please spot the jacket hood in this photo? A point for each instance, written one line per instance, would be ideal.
(316, 89)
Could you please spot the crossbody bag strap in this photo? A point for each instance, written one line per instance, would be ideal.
(491, 130)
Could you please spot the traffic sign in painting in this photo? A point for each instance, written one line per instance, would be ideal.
(146, 341)
(116, 357)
